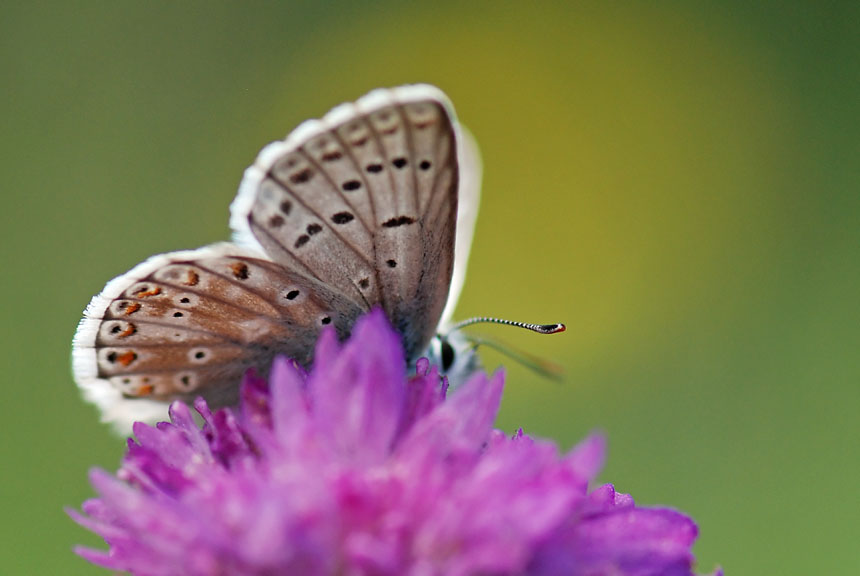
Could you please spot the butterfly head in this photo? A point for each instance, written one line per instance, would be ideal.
(455, 355)
(455, 352)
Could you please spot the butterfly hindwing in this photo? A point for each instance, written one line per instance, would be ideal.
(365, 201)
(191, 323)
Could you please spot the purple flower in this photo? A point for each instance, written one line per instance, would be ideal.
(356, 469)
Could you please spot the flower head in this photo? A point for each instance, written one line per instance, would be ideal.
(353, 468)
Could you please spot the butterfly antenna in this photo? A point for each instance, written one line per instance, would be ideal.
(543, 367)
(538, 365)
(539, 328)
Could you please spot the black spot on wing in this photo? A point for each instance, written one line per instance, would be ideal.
(398, 221)
(342, 217)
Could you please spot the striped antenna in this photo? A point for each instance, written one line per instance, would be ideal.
(539, 328)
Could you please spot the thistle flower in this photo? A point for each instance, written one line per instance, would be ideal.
(356, 469)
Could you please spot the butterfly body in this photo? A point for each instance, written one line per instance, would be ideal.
(356, 210)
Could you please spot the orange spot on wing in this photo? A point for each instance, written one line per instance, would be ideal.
(130, 329)
(145, 390)
(132, 308)
(126, 358)
(240, 270)
(154, 291)
(193, 278)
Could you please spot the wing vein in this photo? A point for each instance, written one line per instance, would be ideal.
(442, 162)
(348, 150)
(366, 183)
(386, 158)
(173, 370)
(313, 277)
(304, 205)
(248, 289)
(137, 322)
(410, 147)
(346, 201)
(208, 295)
(307, 207)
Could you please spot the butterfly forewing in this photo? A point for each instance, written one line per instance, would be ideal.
(365, 201)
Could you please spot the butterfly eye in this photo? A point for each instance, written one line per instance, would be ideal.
(447, 354)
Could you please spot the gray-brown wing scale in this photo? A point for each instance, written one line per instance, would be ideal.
(365, 202)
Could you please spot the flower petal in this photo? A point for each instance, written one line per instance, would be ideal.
(358, 393)
(625, 540)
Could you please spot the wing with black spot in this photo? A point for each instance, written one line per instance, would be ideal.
(189, 324)
(364, 201)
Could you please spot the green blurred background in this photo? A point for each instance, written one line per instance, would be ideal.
(678, 183)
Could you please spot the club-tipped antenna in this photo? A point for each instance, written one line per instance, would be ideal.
(539, 328)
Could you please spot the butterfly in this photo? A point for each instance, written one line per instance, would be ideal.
(373, 205)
